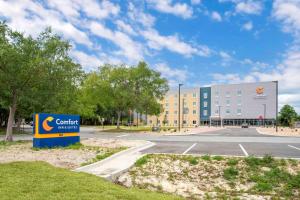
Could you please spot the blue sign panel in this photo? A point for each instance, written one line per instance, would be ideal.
(56, 123)
(55, 130)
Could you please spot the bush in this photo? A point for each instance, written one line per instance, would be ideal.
(262, 187)
(192, 160)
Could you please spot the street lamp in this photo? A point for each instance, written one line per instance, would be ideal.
(276, 122)
(265, 107)
(179, 86)
(220, 115)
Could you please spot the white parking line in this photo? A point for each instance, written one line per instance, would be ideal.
(244, 150)
(122, 135)
(193, 145)
(294, 147)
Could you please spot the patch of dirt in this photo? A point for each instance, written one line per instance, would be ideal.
(66, 158)
(203, 180)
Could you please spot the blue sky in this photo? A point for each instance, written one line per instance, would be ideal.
(196, 42)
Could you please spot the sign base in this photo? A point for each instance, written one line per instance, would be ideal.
(55, 142)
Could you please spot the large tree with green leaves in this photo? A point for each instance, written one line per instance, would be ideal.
(287, 115)
(36, 74)
(120, 89)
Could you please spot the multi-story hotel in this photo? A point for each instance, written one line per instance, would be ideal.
(231, 104)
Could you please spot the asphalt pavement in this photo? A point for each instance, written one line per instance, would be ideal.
(229, 141)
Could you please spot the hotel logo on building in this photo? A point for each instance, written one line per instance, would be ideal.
(260, 93)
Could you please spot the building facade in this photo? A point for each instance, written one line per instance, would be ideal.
(227, 104)
(189, 109)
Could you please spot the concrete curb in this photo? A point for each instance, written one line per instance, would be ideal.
(184, 134)
(279, 135)
(113, 175)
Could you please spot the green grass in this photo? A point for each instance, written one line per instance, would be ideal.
(39, 180)
(141, 161)
(232, 161)
(218, 158)
(4, 144)
(230, 173)
(206, 157)
(127, 129)
(191, 159)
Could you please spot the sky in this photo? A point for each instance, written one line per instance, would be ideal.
(194, 42)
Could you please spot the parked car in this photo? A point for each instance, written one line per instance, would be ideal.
(245, 125)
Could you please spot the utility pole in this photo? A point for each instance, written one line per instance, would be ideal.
(265, 107)
(179, 86)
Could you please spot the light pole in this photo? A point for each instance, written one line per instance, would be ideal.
(179, 86)
(276, 122)
(220, 116)
(265, 107)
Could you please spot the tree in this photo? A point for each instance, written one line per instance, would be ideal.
(36, 74)
(122, 89)
(287, 115)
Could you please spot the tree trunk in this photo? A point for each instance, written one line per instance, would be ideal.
(118, 120)
(11, 118)
(19, 121)
(137, 119)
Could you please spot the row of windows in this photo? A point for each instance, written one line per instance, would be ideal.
(239, 102)
(238, 111)
(185, 111)
(184, 103)
(194, 95)
(175, 122)
(238, 93)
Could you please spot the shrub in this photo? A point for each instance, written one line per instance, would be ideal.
(143, 160)
(262, 187)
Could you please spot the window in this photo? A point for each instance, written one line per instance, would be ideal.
(216, 111)
(216, 102)
(217, 93)
(239, 102)
(167, 112)
(194, 112)
(194, 122)
(194, 95)
(185, 111)
(175, 112)
(239, 111)
(227, 94)
(205, 95)
(227, 102)
(158, 121)
(194, 103)
(184, 122)
(227, 111)
(204, 112)
(184, 95)
(175, 95)
(239, 92)
(184, 103)
(150, 121)
(175, 104)
(167, 105)
(175, 121)
(204, 104)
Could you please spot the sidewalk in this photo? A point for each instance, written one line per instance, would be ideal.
(111, 167)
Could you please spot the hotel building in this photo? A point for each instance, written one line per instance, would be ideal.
(227, 104)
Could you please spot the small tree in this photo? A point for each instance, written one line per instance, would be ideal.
(287, 116)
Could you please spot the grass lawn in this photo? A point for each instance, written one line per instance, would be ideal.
(3, 131)
(39, 180)
(134, 129)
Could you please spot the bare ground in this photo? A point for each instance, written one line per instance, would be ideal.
(60, 157)
(202, 180)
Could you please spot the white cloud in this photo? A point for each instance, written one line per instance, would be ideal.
(247, 26)
(128, 48)
(172, 43)
(90, 62)
(216, 16)
(125, 27)
(140, 16)
(173, 75)
(195, 2)
(249, 7)
(288, 12)
(165, 6)
(225, 55)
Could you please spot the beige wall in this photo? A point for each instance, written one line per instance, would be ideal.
(190, 98)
